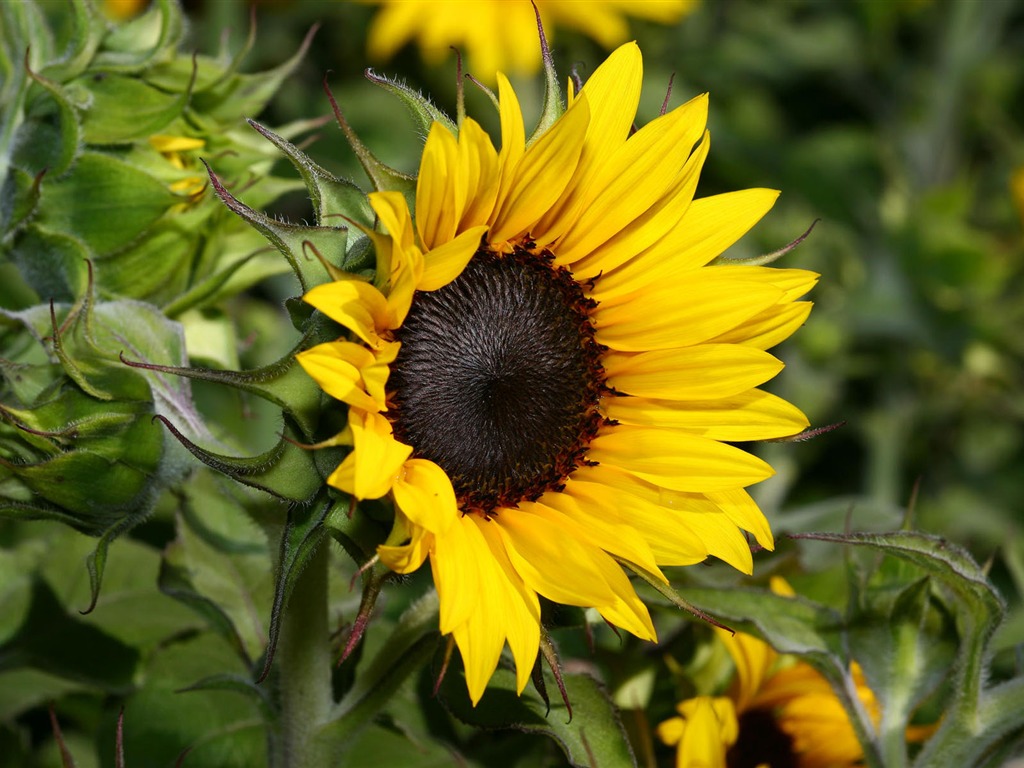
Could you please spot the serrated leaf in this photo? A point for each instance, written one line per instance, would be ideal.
(592, 738)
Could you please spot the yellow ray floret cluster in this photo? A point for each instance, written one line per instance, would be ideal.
(683, 350)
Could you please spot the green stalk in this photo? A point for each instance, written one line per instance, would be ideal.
(304, 669)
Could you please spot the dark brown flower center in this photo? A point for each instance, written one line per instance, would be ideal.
(498, 378)
(761, 742)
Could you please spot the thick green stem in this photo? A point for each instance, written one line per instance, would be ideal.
(304, 669)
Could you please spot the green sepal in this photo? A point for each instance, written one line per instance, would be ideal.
(282, 383)
(81, 202)
(144, 41)
(285, 471)
(553, 107)
(238, 94)
(39, 145)
(19, 199)
(123, 109)
(86, 35)
(292, 240)
(329, 194)
(303, 534)
(593, 737)
(52, 263)
(423, 111)
(382, 176)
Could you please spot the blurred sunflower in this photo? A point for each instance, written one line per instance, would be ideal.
(777, 715)
(491, 32)
(545, 370)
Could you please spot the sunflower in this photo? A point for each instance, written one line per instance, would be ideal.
(543, 374)
(778, 714)
(491, 31)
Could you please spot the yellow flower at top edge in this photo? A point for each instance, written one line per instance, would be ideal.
(491, 33)
(547, 372)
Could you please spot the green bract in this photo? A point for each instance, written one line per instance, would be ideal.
(115, 119)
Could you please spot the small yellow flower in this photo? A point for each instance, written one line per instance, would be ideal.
(777, 714)
(500, 35)
(174, 150)
(547, 371)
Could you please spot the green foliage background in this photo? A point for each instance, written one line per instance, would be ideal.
(897, 124)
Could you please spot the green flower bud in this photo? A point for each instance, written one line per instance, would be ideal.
(100, 144)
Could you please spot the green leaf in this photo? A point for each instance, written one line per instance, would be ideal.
(592, 738)
(52, 641)
(81, 202)
(407, 647)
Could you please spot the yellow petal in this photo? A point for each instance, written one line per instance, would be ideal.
(681, 528)
(613, 92)
(670, 544)
(335, 367)
(425, 495)
(457, 575)
(371, 469)
(588, 522)
(702, 372)
(752, 415)
(439, 195)
(769, 327)
(753, 659)
(482, 173)
(571, 571)
(406, 558)
(634, 179)
(710, 225)
(677, 460)
(513, 136)
(658, 222)
(354, 304)
(707, 304)
(521, 606)
(393, 212)
(350, 372)
(446, 262)
(743, 511)
(709, 728)
(541, 175)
